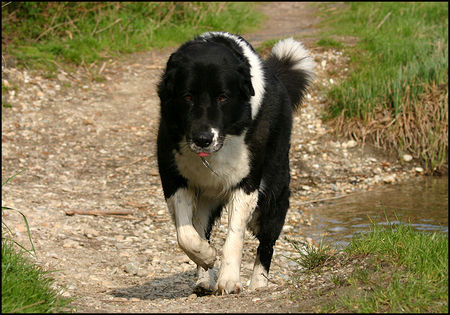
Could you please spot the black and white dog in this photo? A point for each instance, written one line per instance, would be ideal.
(223, 142)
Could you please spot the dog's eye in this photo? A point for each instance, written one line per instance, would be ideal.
(221, 99)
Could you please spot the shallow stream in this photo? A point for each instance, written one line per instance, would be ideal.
(423, 203)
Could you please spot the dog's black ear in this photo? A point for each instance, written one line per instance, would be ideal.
(246, 81)
(166, 85)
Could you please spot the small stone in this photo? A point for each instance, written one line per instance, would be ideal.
(61, 77)
(351, 144)
(306, 187)
(418, 169)
(378, 170)
(193, 296)
(131, 268)
(334, 187)
(389, 179)
(70, 244)
(407, 157)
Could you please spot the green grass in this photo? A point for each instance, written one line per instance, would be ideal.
(394, 269)
(399, 68)
(46, 34)
(311, 256)
(415, 275)
(26, 288)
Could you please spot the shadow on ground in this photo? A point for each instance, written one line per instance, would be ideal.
(172, 287)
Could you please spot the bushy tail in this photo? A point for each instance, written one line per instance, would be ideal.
(294, 66)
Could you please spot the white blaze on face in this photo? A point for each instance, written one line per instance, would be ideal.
(215, 141)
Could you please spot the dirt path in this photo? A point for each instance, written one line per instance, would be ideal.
(90, 146)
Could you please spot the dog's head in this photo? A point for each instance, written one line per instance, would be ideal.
(205, 93)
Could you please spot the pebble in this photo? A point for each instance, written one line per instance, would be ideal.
(418, 169)
(350, 144)
(193, 296)
(68, 243)
(407, 157)
(131, 268)
(389, 179)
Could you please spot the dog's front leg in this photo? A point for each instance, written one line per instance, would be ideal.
(182, 204)
(240, 209)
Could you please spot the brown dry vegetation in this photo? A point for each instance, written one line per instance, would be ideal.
(421, 129)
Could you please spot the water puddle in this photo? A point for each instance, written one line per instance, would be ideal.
(423, 203)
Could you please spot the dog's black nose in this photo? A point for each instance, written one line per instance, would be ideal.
(203, 139)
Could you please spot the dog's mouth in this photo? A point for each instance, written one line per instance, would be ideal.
(205, 151)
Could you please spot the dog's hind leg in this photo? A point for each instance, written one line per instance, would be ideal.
(262, 265)
(270, 224)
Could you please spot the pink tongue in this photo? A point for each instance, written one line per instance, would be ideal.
(202, 154)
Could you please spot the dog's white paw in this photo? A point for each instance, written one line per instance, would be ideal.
(228, 287)
(257, 282)
(203, 288)
(205, 284)
(197, 249)
(259, 276)
(204, 257)
(228, 282)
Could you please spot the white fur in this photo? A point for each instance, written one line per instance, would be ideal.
(230, 164)
(215, 132)
(259, 275)
(206, 279)
(240, 209)
(256, 69)
(202, 209)
(291, 48)
(181, 205)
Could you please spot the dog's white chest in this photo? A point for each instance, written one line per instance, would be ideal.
(230, 165)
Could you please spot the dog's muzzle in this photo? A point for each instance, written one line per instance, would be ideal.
(203, 143)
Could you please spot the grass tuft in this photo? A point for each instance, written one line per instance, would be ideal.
(311, 256)
(26, 288)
